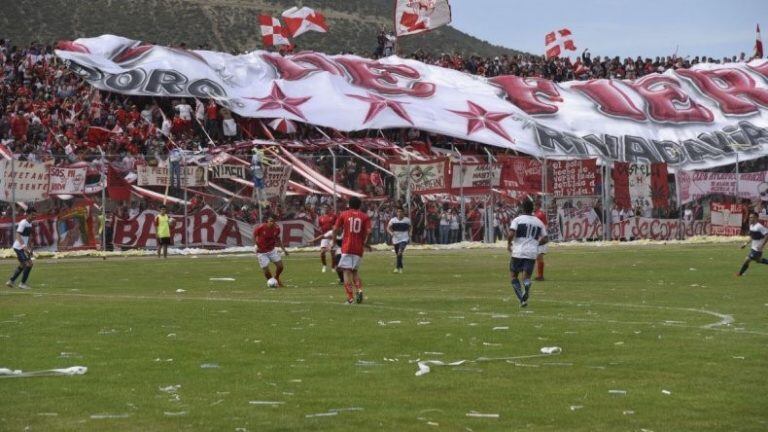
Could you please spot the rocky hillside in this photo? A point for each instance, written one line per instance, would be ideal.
(228, 25)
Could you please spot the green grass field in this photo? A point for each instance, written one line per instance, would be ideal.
(654, 338)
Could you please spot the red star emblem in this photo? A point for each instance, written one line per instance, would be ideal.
(480, 118)
(278, 100)
(379, 104)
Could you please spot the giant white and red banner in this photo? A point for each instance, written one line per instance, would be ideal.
(694, 185)
(417, 16)
(205, 229)
(688, 118)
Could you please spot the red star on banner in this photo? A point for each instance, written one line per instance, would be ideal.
(277, 100)
(480, 118)
(378, 104)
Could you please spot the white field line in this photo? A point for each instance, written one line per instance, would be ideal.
(721, 325)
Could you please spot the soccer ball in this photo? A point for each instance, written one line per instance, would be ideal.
(272, 283)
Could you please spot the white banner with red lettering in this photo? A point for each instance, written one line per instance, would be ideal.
(689, 118)
(66, 181)
(190, 176)
(475, 178)
(694, 185)
(726, 218)
(591, 228)
(205, 229)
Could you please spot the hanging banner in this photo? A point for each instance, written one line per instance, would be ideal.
(23, 181)
(191, 176)
(276, 179)
(694, 185)
(726, 218)
(634, 228)
(706, 115)
(640, 185)
(205, 229)
(73, 229)
(227, 171)
(475, 178)
(416, 16)
(66, 181)
(424, 177)
(522, 174)
(572, 178)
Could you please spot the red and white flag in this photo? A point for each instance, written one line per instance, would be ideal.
(283, 126)
(299, 21)
(272, 32)
(758, 54)
(579, 69)
(416, 16)
(640, 185)
(557, 42)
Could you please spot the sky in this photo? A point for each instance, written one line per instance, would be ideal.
(650, 28)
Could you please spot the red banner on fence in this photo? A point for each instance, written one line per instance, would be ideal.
(572, 178)
(521, 174)
(423, 177)
(640, 185)
(73, 229)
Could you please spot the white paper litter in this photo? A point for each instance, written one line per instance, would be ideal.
(109, 416)
(325, 414)
(576, 407)
(481, 415)
(209, 366)
(628, 412)
(181, 290)
(221, 279)
(424, 366)
(501, 328)
(551, 350)
(16, 373)
(257, 402)
(617, 392)
(666, 392)
(175, 414)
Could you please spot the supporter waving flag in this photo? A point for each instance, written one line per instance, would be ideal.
(557, 42)
(299, 21)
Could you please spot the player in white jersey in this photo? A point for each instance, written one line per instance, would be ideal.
(23, 251)
(526, 234)
(758, 235)
(400, 228)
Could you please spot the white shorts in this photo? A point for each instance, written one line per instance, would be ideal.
(325, 244)
(349, 262)
(268, 257)
(543, 249)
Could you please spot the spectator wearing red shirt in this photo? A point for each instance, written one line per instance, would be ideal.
(267, 237)
(364, 181)
(542, 216)
(19, 126)
(356, 227)
(212, 119)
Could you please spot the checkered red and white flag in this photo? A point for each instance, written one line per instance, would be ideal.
(557, 42)
(272, 32)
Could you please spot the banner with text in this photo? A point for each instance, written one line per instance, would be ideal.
(695, 185)
(726, 218)
(704, 116)
(522, 174)
(190, 176)
(475, 178)
(424, 177)
(572, 178)
(276, 179)
(66, 181)
(227, 171)
(634, 228)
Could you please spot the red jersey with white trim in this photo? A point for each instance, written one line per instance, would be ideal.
(541, 216)
(266, 237)
(326, 222)
(356, 226)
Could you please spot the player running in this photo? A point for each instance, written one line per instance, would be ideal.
(356, 226)
(758, 235)
(400, 228)
(335, 251)
(23, 251)
(267, 237)
(526, 234)
(543, 249)
(326, 221)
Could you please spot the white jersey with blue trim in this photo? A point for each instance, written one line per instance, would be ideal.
(757, 233)
(528, 231)
(400, 229)
(24, 229)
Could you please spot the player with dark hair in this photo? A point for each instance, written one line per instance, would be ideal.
(23, 251)
(526, 234)
(543, 249)
(400, 228)
(758, 235)
(355, 226)
(163, 224)
(326, 221)
(267, 237)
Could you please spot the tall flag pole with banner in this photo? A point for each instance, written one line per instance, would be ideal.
(557, 42)
(758, 54)
(272, 32)
(299, 21)
(417, 16)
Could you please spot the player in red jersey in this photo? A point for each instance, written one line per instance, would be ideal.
(356, 226)
(326, 221)
(267, 237)
(542, 216)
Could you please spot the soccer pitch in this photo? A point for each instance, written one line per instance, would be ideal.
(653, 338)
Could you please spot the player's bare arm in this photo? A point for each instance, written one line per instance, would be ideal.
(510, 239)
(543, 240)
